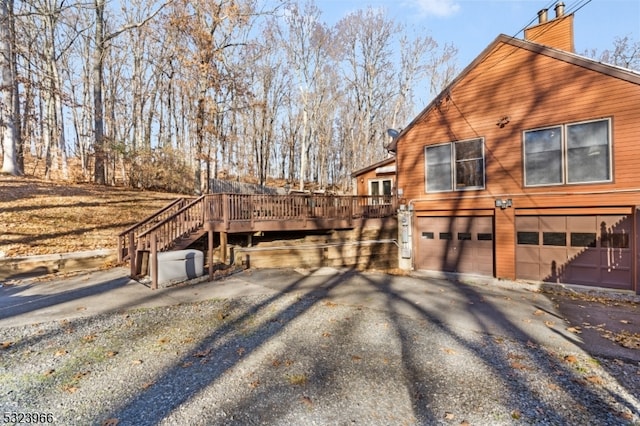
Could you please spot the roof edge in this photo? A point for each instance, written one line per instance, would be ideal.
(373, 166)
(573, 58)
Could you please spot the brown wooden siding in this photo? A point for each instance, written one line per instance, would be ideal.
(556, 33)
(362, 184)
(533, 91)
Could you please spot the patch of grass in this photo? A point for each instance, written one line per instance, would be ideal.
(297, 379)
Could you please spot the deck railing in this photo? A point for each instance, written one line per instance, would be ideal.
(241, 207)
(127, 239)
(179, 225)
(184, 220)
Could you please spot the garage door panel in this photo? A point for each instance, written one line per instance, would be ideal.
(529, 271)
(615, 278)
(609, 259)
(589, 250)
(581, 223)
(549, 255)
(585, 273)
(552, 223)
(459, 244)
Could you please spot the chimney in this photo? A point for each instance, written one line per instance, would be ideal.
(556, 33)
(542, 16)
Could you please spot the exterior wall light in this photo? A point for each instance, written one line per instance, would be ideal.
(503, 204)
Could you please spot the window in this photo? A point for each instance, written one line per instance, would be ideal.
(543, 156)
(554, 239)
(455, 166)
(528, 238)
(568, 154)
(380, 191)
(583, 239)
(588, 152)
(439, 168)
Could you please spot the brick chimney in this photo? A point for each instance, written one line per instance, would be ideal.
(557, 32)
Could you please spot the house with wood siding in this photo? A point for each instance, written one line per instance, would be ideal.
(377, 179)
(527, 166)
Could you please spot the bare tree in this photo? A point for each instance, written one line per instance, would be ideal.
(625, 53)
(365, 39)
(8, 113)
(101, 40)
(306, 40)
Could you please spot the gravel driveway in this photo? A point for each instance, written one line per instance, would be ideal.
(337, 348)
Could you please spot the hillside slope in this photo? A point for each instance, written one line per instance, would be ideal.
(42, 217)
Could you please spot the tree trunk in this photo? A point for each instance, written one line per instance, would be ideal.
(7, 84)
(98, 107)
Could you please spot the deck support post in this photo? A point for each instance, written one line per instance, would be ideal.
(223, 247)
(210, 253)
(635, 250)
(132, 254)
(153, 259)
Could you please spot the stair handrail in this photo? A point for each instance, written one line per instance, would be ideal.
(192, 222)
(124, 237)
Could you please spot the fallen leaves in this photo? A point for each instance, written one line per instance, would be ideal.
(594, 379)
(67, 211)
(203, 353)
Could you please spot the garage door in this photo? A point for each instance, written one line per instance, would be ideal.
(455, 244)
(587, 250)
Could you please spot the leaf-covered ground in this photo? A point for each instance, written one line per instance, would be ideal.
(41, 217)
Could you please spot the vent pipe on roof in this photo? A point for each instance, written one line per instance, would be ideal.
(542, 16)
(559, 10)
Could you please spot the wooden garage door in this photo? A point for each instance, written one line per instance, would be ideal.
(455, 244)
(586, 250)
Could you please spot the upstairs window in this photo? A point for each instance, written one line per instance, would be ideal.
(568, 154)
(455, 166)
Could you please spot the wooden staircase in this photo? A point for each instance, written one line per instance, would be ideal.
(174, 227)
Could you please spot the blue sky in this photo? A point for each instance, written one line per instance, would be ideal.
(471, 25)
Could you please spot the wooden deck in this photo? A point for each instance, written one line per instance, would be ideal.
(184, 221)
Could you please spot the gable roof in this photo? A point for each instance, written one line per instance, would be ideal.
(561, 55)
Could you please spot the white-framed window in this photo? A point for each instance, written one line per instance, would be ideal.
(380, 190)
(455, 166)
(568, 154)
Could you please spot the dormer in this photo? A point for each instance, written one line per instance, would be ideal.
(556, 33)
